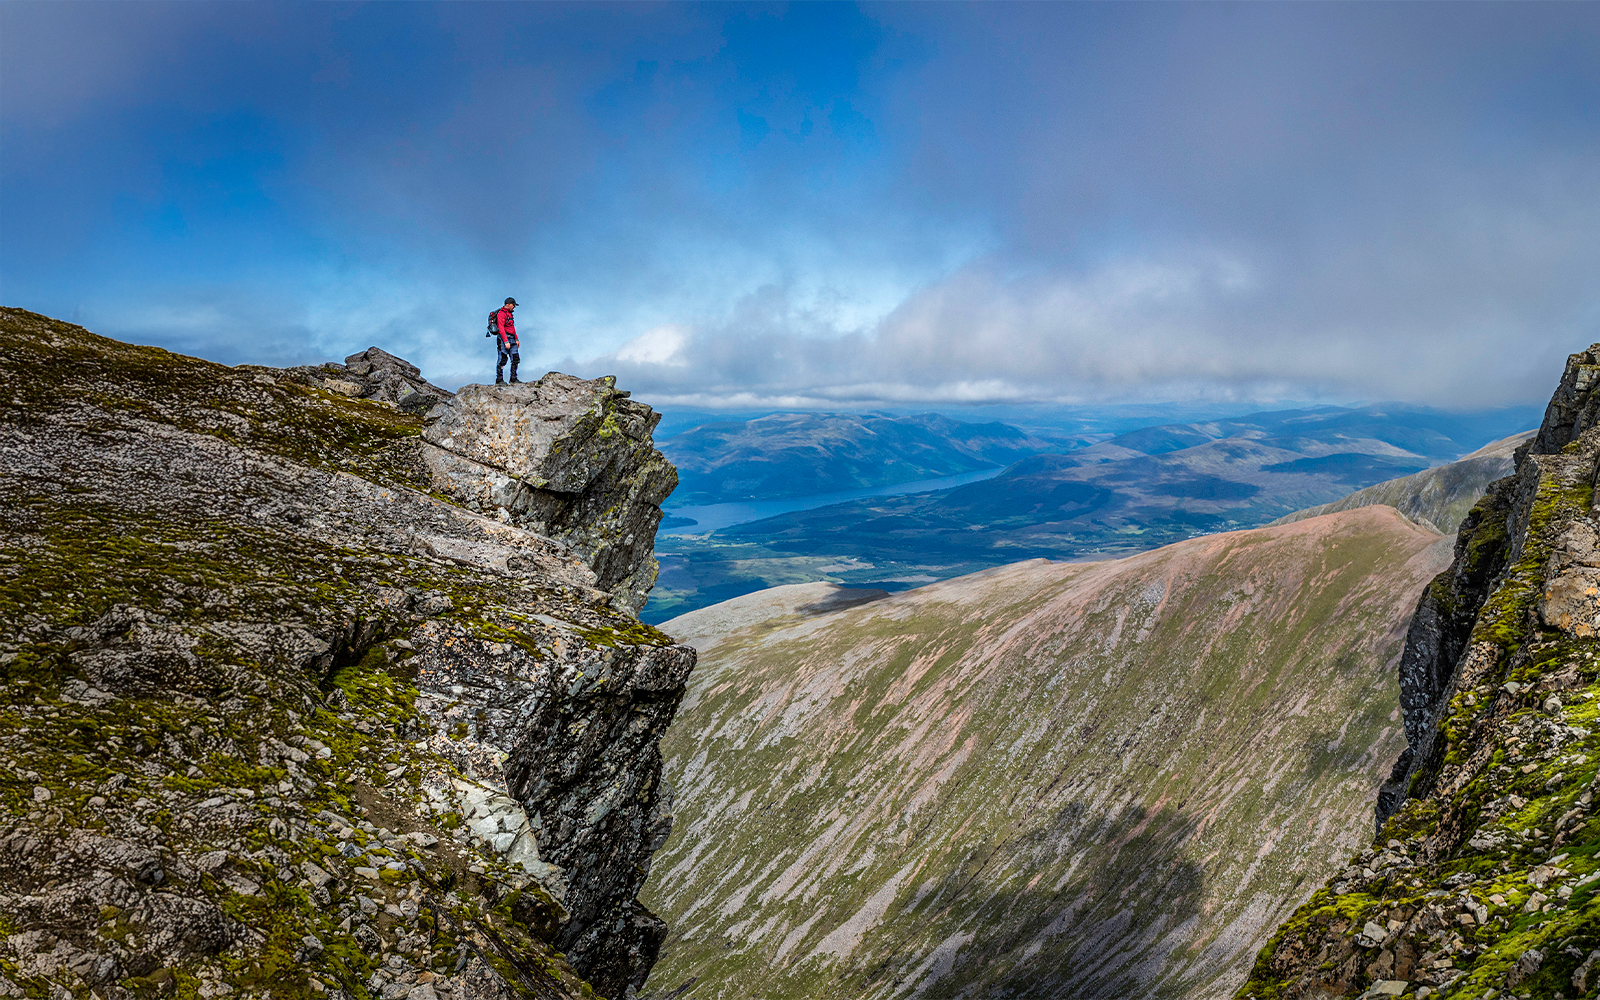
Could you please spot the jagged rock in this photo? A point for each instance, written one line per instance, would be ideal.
(1571, 598)
(62, 883)
(1527, 964)
(245, 649)
(378, 375)
(1492, 797)
(1580, 975)
(569, 458)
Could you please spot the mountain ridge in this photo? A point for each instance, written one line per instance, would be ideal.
(1134, 492)
(789, 454)
(1439, 497)
(1481, 880)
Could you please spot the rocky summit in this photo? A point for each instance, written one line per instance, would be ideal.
(1084, 780)
(325, 681)
(1482, 880)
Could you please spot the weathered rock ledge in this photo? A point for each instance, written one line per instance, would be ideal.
(285, 715)
(1482, 880)
(568, 458)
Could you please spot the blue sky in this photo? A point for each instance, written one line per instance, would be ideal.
(825, 204)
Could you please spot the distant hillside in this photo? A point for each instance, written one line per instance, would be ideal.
(1438, 498)
(1134, 492)
(797, 454)
(1045, 780)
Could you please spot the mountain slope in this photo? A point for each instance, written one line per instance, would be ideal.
(1482, 881)
(794, 454)
(1439, 497)
(1086, 780)
(281, 715)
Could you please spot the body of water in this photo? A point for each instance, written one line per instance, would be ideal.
(710, 517)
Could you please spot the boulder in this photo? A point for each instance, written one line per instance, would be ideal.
(376, 374)
(569, 458)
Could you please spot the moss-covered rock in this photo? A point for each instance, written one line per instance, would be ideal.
(278, 720)
(1488, 817)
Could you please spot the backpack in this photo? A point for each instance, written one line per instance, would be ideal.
(494, 323)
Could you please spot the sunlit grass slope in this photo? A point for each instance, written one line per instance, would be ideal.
(1093, 779)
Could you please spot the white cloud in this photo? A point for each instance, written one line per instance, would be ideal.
(657, 346)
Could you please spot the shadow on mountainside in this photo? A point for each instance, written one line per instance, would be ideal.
(1126, 899)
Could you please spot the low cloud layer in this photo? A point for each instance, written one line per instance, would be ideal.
(826, 205)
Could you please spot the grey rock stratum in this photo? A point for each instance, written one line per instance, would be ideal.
(568, 458)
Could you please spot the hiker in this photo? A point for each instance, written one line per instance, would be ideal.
(502, 324)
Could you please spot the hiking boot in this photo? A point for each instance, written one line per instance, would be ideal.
(500, 381)
(515, 380)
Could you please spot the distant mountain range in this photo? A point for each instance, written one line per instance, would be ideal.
(793, 454)
(1438, 498)
(1045, 780)
(1136, 491)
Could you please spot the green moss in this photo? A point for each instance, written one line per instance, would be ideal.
(623, 630)
(67, 560)
(1415, 817)
(1507, 615)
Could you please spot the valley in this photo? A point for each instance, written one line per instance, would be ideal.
(789, 454)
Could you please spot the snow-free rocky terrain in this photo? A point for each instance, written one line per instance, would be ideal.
(1482, 880)
(323, 682)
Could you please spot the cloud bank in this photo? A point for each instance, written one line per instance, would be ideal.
(825, 205)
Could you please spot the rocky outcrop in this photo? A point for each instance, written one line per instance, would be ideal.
(280, 718)
(1482, 879)
(568, 458)
(1085, 780)
(377, 375)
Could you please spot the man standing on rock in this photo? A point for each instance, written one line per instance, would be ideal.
(507, 343)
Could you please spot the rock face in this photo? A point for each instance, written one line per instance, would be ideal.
(568, 458)
(1485, 878)
(279, 719)
(1073, 780)
(1439, 498)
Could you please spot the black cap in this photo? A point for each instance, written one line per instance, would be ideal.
(511, 302)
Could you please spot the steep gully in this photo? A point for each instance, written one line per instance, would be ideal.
(1050, 779)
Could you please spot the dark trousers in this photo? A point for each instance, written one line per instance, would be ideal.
(511, 352)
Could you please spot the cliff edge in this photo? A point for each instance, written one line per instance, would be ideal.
(1481, 882)
(296, 705)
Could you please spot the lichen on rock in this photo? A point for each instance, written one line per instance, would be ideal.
(1482, 879)
(274, 707)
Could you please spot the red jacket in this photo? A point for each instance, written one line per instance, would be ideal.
(508, 328)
